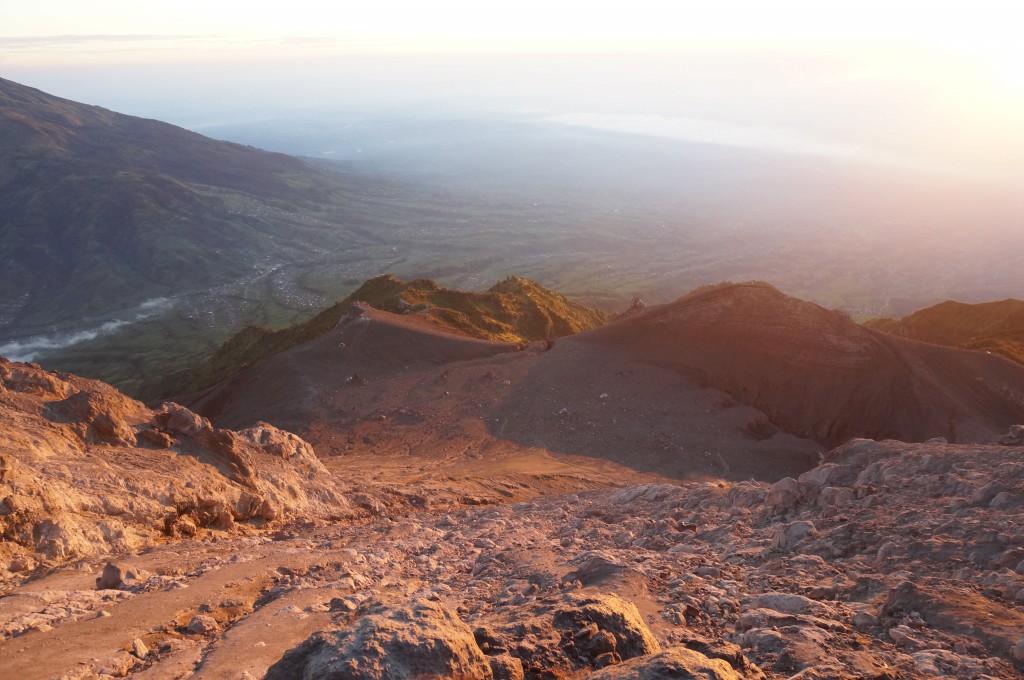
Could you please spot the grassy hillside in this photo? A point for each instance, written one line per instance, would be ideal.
(996, 327)
(512, 310)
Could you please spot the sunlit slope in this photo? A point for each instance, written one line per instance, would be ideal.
(996, 327)
(101, 211)
(513, 310)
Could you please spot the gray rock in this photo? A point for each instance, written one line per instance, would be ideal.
(118, 576)
(1018, 651)
(789, 535)
(421, 639)
(201, 624)
(672, 664)
(1014, 437)
(787, 603)
(984, 494)
(784, 494)
(612, 615)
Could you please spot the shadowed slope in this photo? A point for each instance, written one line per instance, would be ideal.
(730, 381)
(818, 374)
(996, 327)
(366, 345)
(385, 384)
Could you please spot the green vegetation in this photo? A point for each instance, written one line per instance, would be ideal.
(995, 327)
(513, 310)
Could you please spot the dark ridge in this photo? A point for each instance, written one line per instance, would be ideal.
(994, 327)
(514, 310)
(817, 374)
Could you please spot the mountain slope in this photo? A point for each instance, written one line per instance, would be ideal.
(100, 211)
(996, 327)
(817, 374)
(389, 384)
(86, 471)
(731, 381)
(514, 310)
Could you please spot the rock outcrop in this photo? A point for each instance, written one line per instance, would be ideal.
(85, 470)
(1015, 437)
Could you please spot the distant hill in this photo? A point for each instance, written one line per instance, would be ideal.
(101, 211)
(996, 327)
(514, 310)
(816, 373)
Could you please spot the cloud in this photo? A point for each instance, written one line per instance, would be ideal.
(707, 132)
(768, 139)
(29, 349)
(51, 41)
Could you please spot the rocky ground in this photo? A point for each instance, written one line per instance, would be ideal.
(888, 560)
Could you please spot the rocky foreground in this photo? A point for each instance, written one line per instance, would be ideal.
(84, 470)
(887, 560)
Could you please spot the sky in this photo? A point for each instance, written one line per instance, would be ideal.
(927, 84)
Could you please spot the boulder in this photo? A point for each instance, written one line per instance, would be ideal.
(672, 664)
(1018, 651)
(786, 603)
(605, 620)
(118, 576)
(1014, 437)
(506, 667)
(784, 494)
(277, 442)
(156, 437)
(103, 418)
(422, 639)
(789, 535)
(829, 474)
(139, 648)
(176, 419)
(30, 379)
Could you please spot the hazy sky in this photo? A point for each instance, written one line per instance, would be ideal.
(986, 27)
(932, 83)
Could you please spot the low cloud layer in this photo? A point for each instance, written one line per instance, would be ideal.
(32, 348)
